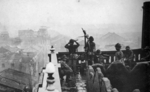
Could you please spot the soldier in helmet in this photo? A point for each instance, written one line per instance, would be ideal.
(129, 56)
(65, 69)
(119, 54)
(71, 46)
(99, 57)
(90, 48)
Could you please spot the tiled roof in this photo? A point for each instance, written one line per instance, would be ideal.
(14, 78)
(3, 50)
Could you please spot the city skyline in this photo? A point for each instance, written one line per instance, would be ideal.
(69, 16)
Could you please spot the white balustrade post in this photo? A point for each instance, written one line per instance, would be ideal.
(114, 58)
(54, 60)
(105, 61)
(51, 80)
(139, 57)
(110, 59)
(134, 58)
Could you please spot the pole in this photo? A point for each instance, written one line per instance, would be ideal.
(85, 36)
(86, 60)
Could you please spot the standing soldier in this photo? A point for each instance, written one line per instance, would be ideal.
(119, 54)
(90, 48)
(72, 46)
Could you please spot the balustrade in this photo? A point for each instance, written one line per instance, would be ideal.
(111, 58)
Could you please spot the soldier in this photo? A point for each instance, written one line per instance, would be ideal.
(72, 46)
(99, 57)
(90, 48)
(65, 69)
(119, 54)
(128, 56)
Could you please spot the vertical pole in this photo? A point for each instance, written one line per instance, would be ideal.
(87, 67)
(85, 35)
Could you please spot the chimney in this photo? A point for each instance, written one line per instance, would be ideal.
(146, 25)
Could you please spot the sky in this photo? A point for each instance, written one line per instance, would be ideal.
(69, 16)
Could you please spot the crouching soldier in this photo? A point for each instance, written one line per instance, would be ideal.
(99, 57)
(65, 70)
(129, 56)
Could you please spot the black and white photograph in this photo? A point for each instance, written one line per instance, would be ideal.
(74, 45)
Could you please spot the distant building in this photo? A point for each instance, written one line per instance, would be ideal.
(26, 33)
(4, 34)
(3, 50)
(43, 37)
(4, 38)
(43, 33)
(28, 37)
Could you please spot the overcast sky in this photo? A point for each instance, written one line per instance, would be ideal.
(67, 16)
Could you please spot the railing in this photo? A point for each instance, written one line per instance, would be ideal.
(137, 55)
(92, 77)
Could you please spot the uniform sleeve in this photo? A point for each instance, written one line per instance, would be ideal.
(86, 46)
(122, 55)
(131, 55)
(116, 56)
(94, 47)
(67, 46)
(77, 44)
(66, 66)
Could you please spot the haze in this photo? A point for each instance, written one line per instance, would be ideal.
(69, 16)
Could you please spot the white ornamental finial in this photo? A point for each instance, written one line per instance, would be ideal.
(50, 68)
(52, 49)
